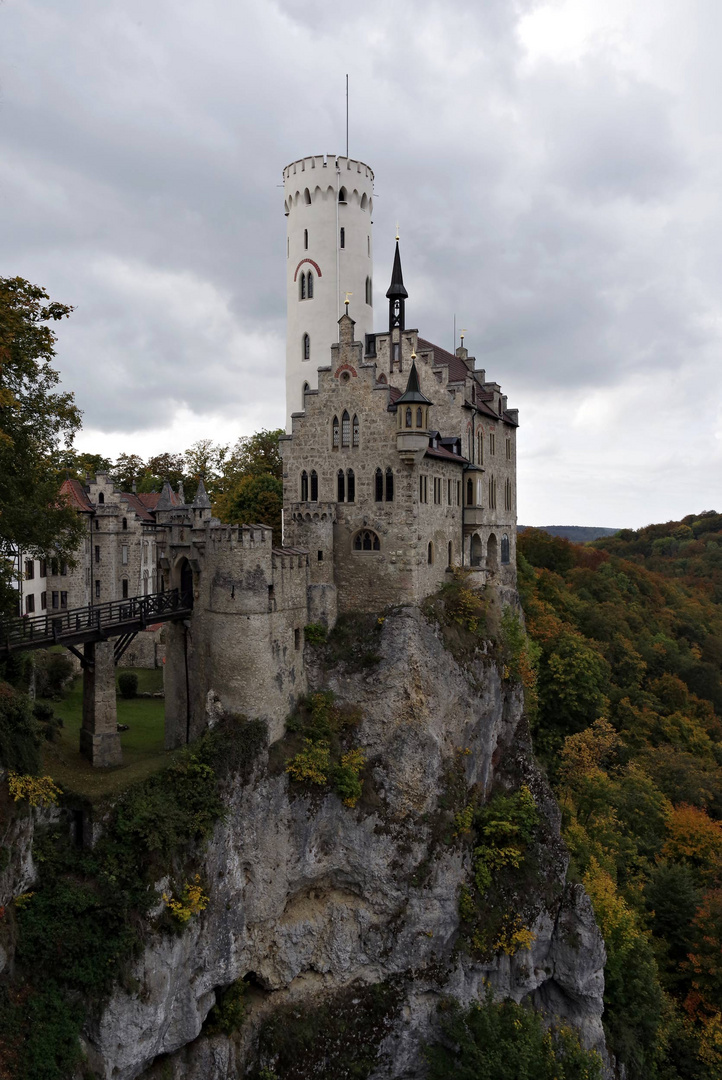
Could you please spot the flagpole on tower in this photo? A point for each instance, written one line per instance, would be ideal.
(347, 117)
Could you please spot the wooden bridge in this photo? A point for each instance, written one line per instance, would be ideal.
(93, 627)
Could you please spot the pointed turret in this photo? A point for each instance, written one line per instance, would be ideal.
(397, 294)
(412, 394)
(165, 502)
(201, 501)
(412, 411)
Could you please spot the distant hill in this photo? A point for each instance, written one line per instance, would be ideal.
(578, 534)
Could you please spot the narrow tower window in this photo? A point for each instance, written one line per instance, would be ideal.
(302, 287)
(310, 285)
(307, 197)
(408, 417)
(341, 486)
(304, 486)
(314, 486)
(342, 195)
(342, 238)
(305, 239)
(350, 486)
(335, 433)
(389, 485)
(379, 486)
(450, 561)
(419, 418)
(306, 347)
(345, 429)
(430, 554)
(355, 431)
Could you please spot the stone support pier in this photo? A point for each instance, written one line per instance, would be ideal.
(99, 738)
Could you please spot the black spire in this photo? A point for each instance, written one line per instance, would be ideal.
(412, 394)
(397, 294)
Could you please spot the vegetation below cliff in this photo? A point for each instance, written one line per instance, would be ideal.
(628, 723)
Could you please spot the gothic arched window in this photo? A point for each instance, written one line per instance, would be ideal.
(408, 417)
(314, 486)
(101, 497)
(379, 486)
(350, 486)
(505, 555)
(355, 428)
(310, 285)
(306, 347)
(304, 486)
(366, 540)
(345, 429)
(419, 418)
(480, 447)
(335, 433)
(302, 287)
(342, 195)
(389, 485)
(307, 197)
(341, 486)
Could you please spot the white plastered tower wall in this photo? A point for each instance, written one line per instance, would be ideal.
(311, 188)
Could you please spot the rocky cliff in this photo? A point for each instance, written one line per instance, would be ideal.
(355, 909)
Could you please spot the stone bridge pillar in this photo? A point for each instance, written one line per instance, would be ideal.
(99, 738)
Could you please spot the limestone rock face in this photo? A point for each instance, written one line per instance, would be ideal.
(309, 896)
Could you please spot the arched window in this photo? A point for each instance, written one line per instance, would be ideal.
(430, 554)
(345, 429)
(306, 347)
(101, 497)
(366, 540)
(355, 431)
(419, 417)
(125, 524)
(469, 492)
(450, 559)
(306, 388)
(364, 202)
(408, 417)
(310, 285)
(505, 556)
(307, 197)
(389, 485)
(350, 486)
(342, 195)
(379, 486)
(342, 237)
(369, 291)
(314, 486)
(305, 239)
(302, 287)
(480, 447)
(341, 486)
(304, 486)
(335, 433)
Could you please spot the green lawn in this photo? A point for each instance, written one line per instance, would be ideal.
(142, 744)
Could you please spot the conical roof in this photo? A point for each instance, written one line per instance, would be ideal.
(201, 501)
(165, 502)
(397, 288)
(412, 394)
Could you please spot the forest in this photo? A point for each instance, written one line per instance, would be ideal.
(626, 716)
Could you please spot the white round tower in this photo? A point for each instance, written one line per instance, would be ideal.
(328, 202)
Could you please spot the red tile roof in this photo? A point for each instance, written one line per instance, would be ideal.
(441, 452)
(458, 370)
(76, 495)
(135, 502)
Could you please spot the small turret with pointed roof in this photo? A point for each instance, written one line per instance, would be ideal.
(412, 394)
(397, 294)
(201, 501)
(165, 502)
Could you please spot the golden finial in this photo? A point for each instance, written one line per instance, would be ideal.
(397, 230)
(461, 333)
(347, 296)
(413, 354)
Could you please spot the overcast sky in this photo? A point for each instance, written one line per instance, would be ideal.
(555, 168)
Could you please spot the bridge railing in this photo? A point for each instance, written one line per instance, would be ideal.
(58, 625)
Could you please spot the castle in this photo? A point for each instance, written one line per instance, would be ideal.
(399, 466)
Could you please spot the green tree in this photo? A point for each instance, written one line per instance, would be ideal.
(35, 419)
(254, 500)
(163, 467)
(256, 455)
(128, 469)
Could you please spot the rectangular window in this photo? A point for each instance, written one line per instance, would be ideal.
(56, 601)
(97, 553)
(492, 442)
(125, 554)
(97, 589)
(342, 238)
(125, 588)
(297, 639)
(63, 599)
(479, 494)
(492, 493)
(426, 489)
(43, 568)
(448, 492)
(43, 600)
(30, 604)
(29, 569)
(508, 449)
(458, 492)
(63, 569)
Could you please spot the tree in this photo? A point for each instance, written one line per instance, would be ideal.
(254, 500)
(128, 469)
(163, 467)
(35, 419)
(255, 455)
